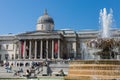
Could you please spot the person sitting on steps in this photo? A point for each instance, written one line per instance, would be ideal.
(27, 73)
(61, 72)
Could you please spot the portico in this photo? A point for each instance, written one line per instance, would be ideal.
(39, 49)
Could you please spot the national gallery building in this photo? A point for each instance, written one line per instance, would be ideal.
(47, 43)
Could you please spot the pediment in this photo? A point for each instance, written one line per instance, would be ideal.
(38, 33)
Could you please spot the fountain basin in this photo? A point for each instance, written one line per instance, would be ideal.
(94, 69)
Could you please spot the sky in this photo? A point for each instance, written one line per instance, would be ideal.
(18, 16)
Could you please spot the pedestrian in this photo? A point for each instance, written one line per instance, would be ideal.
(27, 73)
(61, 72)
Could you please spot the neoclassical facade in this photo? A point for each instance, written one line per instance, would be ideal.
(47, 43)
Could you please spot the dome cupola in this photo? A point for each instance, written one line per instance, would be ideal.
(45, 22)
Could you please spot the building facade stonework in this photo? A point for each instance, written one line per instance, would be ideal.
(47, 43)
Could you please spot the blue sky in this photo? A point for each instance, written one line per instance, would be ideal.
(21, 15)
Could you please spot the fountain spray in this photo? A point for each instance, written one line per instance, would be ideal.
(105, 21)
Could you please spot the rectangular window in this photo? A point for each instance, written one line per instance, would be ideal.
(6, 56)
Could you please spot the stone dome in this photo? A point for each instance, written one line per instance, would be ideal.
(45, 19)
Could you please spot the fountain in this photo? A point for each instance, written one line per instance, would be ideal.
(106, 64)
(106, 22)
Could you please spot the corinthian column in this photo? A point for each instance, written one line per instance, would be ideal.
(30, 49)
(58, 57)
(41, 48)
(35, 48)
(15, 50)
(24, 50)
(19, 50)
(46, 49)
(52, 49)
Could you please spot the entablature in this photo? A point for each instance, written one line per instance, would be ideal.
(39, 37)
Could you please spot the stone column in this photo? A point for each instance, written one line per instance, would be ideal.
(19, 50)
(52, 49)
(46, 49)
(74, 49)
(58, 57)
(41, 48)
(15, 50)
(30, 49)
(35, 49)
(117, 57)
(24, 50)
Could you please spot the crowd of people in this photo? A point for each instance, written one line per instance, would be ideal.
(8, 67)
(33, 70)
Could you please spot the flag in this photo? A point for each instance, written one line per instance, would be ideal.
(55, 46)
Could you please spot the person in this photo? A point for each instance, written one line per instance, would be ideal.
(27, 73)
(7, 68)
(20, 69)
(11, 67)
(32, 71)
(61, 72)
(49, 71)
(18, 72)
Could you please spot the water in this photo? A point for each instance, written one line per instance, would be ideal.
(87, 53)
(105, 21)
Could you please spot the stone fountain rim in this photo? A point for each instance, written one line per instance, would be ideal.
(109, 60)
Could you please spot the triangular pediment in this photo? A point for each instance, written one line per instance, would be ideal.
(38, 33)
